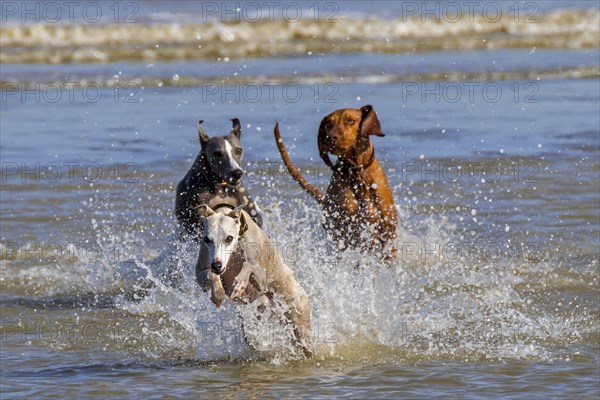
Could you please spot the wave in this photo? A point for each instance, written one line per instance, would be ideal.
(252, 83)
(79, 43)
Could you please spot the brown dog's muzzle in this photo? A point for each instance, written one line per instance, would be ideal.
(333, 135)
(335, 141)
(331, 141)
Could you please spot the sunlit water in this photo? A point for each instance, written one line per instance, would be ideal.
(495, 291)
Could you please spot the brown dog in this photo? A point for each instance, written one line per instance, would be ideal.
(359, 200)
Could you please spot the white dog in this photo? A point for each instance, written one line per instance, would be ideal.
(237, 258)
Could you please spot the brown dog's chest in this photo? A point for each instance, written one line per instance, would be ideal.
(354, 191)
(358, 201)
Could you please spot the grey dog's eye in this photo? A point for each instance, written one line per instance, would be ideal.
(218, 154)
(206, 239)
(238, 152)
(228, 239)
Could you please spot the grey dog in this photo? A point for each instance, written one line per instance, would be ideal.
(215, 178)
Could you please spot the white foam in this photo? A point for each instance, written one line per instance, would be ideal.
(63, 43)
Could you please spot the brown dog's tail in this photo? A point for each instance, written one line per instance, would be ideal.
(314, 192)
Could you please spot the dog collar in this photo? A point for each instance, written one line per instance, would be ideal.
(243, 222)
(221, 205)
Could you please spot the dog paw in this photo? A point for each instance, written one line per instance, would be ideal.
(217, 296)
(240, 283)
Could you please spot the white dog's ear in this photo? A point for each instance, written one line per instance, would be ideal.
(240, 218)
(205, 211)
(237, 212)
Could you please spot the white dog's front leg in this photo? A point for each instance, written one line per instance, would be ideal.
(258, 279)
(240, 283)
(217, 293)
(202, 279)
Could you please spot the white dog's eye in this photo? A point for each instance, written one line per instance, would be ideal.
(228, 239)
(206, 239)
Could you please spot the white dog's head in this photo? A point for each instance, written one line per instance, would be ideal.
(222, 230)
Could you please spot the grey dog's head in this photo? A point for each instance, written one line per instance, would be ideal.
(224, 153)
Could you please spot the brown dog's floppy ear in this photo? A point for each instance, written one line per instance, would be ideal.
(237, 127)
(321, 138)
(202, 135)
(369, 123)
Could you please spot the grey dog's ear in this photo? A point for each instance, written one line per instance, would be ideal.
(369, 123)
(237, 127)
(202, 135)
(205, 211)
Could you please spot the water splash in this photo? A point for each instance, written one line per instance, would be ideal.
(430, 304)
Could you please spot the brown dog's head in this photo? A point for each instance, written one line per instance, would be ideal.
(347, 131)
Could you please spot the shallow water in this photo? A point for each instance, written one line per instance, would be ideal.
(492, 152)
